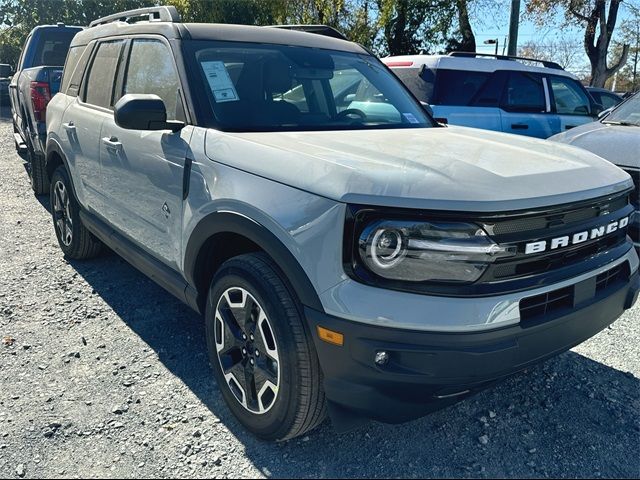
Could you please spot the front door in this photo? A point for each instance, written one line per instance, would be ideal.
(142, 171)
(570, 102)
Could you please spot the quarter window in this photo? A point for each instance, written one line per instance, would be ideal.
(151, 71)
(99, 90)
(569, 97)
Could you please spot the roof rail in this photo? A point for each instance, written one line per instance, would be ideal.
(325, 30)
(158, 14)
(546, 63)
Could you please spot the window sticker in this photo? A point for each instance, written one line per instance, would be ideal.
(219, 82)
(410, 117)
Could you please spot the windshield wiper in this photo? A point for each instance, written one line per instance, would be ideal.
(622, 124)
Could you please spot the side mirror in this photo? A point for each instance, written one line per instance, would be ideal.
(605, 113)
(137, 111)
(427, 107)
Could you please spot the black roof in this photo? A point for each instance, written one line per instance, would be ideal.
(221, 32)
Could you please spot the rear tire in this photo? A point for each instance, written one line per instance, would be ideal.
(73, 237)
(251, 288)
(38, 173)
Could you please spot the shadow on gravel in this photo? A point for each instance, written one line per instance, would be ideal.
(568, 417)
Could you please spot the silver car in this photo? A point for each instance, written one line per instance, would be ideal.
(363, 262)
(614, 137)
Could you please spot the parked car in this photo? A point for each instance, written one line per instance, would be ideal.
(36, 80)
(506, 94)
(5, 77)
(604, 97)
(369, 268)
(615, 137)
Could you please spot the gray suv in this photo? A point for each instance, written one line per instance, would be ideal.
(350, 255)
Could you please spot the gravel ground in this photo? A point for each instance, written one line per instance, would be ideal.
(104, 374)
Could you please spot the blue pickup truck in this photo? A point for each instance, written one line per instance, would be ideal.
(36, 80)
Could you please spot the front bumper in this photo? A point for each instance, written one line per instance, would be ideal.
(430, 370)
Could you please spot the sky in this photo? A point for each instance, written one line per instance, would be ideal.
(495, 24)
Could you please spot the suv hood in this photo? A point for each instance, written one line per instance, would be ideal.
(450, 168)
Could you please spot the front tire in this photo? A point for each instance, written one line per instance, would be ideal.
(261, 353)
(73, 237)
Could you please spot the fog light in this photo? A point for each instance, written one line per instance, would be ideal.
(382, 358)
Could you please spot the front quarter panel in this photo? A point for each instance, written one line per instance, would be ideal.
(309, 226)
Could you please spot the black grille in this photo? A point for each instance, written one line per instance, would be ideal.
(613, 277)
(564, 299)
(557, 220)
(635, 175)
(546, 303)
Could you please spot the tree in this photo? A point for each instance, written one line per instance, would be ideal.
(414, 26)
(563, 51)
(599, 23)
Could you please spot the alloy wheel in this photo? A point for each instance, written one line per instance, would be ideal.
(247, 350)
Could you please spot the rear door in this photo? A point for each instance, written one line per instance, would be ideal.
(82, 122)
(142, 171)
(526, 107)
(468, 98)
(570, 102)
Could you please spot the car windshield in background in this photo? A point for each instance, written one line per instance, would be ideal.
(628, 113)
(258, 87)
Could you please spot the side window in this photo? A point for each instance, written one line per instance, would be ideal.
(419, 80)
(101, 78)
(74, 74)
(70, 65)
(607, 101)
(524, 93)
(151, 70)
(569, 97)
(457, 87)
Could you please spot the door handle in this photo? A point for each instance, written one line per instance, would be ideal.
(112, 143)
(69, 126)
(520, 126)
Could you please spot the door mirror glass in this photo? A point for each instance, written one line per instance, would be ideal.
(143, 112)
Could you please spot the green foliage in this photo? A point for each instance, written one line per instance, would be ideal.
(386, 26)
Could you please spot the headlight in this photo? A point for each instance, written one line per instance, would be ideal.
(420, 251)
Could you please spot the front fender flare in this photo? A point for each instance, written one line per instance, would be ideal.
(230, 222)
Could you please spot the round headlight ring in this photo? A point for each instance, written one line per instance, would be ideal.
(387, 248)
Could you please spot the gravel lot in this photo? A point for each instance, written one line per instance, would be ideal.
(103, 374)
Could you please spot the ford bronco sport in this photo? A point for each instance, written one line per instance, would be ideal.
(365, 266)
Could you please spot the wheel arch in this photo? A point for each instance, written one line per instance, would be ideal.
(55, 157)
(222, 235)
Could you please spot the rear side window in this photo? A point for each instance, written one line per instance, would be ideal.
(569, 97)
(70, 65)
(100, 81)
(524, 93)
(607, 100)
(457, 87)
(52, 47)
(420, 81)
(151, 70)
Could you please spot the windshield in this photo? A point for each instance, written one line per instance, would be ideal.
(260, 87)
(628, 113)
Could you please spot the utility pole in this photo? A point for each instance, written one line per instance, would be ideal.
(514, 23)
